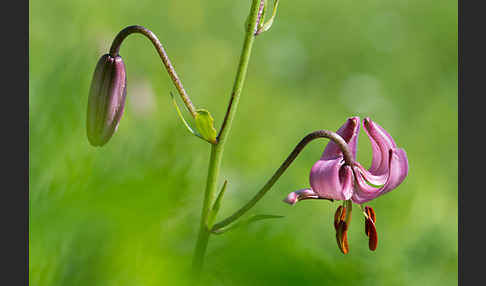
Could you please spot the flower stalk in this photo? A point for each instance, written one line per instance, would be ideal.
(115, 49)
(218, 148)
(348, 157)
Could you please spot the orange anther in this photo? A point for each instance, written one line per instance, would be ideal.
(370, 228)
(341, 229)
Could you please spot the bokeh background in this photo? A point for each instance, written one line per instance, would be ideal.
(128, 213)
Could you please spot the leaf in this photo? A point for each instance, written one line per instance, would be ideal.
(205, 125)
(217, 204)
(182, 117)
(255, 218)
(246, 222)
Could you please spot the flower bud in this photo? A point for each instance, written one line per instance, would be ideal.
(106, 99)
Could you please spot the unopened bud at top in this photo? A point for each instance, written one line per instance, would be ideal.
(106, 99)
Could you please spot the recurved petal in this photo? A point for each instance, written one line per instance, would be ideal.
(331, 179)
(397, 171)
(349, 132)
(381, 143)
(374, 180)
(300, 195)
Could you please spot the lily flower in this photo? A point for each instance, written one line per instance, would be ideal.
(332, 178)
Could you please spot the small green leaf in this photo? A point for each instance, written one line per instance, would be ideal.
(246, 222)
(255, 218)
(182, 117)
(205, 125)
(216, 206)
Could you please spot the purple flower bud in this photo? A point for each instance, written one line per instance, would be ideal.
(106, 99)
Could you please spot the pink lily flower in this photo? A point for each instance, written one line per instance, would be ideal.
(332, 178)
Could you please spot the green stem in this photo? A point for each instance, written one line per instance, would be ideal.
(211, 184)
(241, 73)
(217, 149)
(349, 208)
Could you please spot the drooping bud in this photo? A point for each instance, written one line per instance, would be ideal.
(106, 100)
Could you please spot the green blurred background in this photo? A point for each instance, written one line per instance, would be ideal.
(128, 213)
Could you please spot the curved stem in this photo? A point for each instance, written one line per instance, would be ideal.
(348, 158)
(115, 48)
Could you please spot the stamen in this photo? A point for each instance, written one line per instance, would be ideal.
(373, 242)
(371, 213)
(342, 237)
(341, 229)
(367, 227)
(370, 228)
(337, 216)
